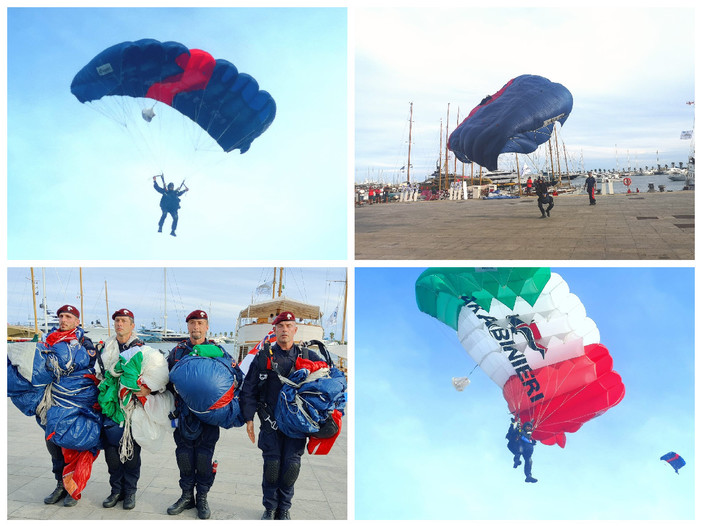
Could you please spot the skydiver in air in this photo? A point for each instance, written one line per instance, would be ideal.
(520, 443)
(170, 202)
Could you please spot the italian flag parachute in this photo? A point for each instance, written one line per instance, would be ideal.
(531, 335)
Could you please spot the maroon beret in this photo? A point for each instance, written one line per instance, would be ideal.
(123, 312)
(196, 315)
(284, 316)
(70, 309)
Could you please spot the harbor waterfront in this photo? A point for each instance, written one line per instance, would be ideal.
(646, 226)
(320, 491)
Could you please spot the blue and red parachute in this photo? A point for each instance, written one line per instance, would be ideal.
(518, 118)
(227, 104)
(676, 461)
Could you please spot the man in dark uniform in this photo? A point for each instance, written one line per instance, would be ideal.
(591, 186)
(123, 476)
(195, 440)
(170, 203)
(520, 443)
(259, 394)
(69, 321)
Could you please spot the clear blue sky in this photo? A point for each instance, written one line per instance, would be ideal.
(71, 167)
(631, 72)
(426, 451)
(222, 292)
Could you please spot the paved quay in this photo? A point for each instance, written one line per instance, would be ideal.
(320, 491)
(643, 226)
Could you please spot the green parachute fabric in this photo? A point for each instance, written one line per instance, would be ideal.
(532, 337)
(207, 350)
(439, 291)
(115, 391)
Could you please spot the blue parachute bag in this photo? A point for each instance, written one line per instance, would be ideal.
(27, 391)
(305, 406)
(210, 388)
(73, 422)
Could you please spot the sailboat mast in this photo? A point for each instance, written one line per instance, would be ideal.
(280, 282)
(441, 148)
(346, 290)
(409, 147)
(46, 314)
(82, 314)
(519, 178)
(107, 308)
(165, 314)
(34, 302)
(446, 151)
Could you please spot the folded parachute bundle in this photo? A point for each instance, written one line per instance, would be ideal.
(55, 382)
(145, 417)
(209, 384)
(311, 403)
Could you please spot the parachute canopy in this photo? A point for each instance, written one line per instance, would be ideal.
(675, 460)
(227, 104)
(518, 118)
(531, 335)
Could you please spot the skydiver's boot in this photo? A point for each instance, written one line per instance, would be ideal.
(203, 509)
(112, 499)
(173, 233)
(69, 501)
(185, 502)
(282, 515)
(548, 213)
(57, 494)
(268, 515)
(530, 479)
(517, 462)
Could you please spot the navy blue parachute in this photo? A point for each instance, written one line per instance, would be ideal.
(227, 104)
(210, 388)
(675, 460)
(518, 118)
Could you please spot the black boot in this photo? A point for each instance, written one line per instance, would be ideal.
(129, 501)
(69, 501)
(529, 478)
(112, 500)
(282, 515)
(185, 502)
(203, 509)
(57, 495)
(268, 515)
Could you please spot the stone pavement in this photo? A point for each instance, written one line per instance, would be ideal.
(650, 226)
(320, 491)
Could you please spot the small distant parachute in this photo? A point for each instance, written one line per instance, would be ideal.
(227, 104)
(460, 382)
(527, 331)
(675, 460)
(518, 118)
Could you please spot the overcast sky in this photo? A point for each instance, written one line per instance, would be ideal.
(222, 292)
(630, 71)
(70, 165)
(427, 451)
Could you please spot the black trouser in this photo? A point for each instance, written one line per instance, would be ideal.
(541, 207)
(519, 447)
(123, 476)
(591, 194)
(281, 466)
(194, 458)
(174, 215)
(57, 460)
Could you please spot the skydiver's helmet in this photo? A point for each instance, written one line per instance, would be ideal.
(171, 186)
(528, 427)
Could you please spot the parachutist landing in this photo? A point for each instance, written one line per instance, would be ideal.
(170, 202)
(520, 443)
